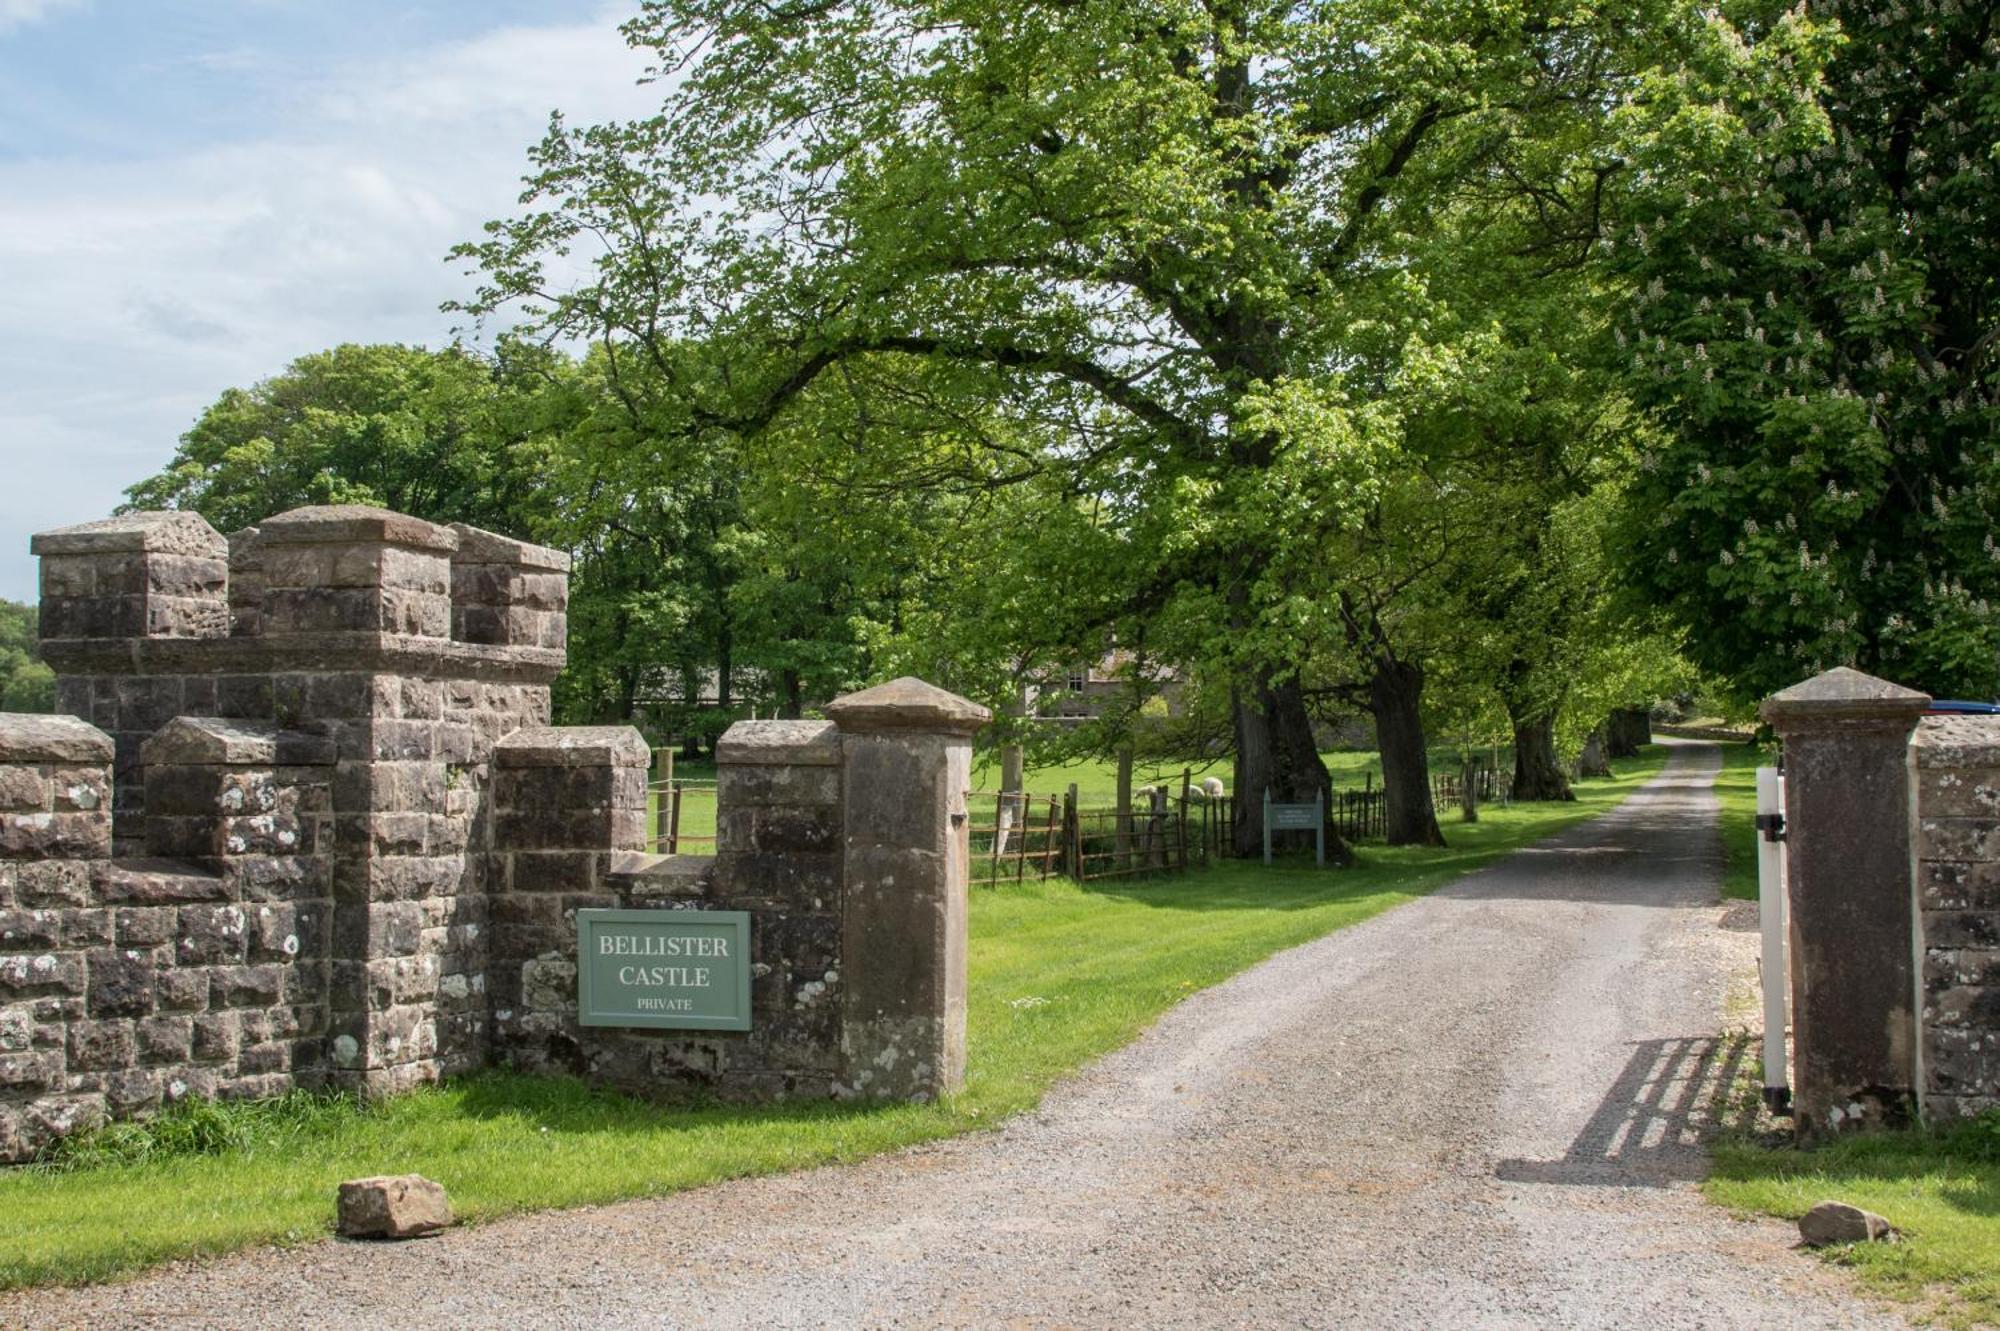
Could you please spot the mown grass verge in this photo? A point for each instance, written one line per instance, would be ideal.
(1736, 790)
(1940, 1188)
(1059, 975)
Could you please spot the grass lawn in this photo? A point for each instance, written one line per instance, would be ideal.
(1940, 1188)
(1736, 788)
(1059, 975)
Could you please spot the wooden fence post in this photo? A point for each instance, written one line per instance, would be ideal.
(1073, 834)
(663, 785)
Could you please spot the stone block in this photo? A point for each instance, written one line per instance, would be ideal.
(247, 986)
(1961, 928)
(121, 983)
(1837, 1222)
(1943, 885)
(213, 1037)
(742, 785)
(24, 975)
(74, 836)
(554, 871)
(211, 936)
(351, 525)
(793, 881)
(102, 1046)
(1946, 968)
(192, 741)
(129, 1092)
(391, 1207)
(1963, 839)
(86, 928)
(51, 883)
(156, 883)
(23, 789)
(780, 744)
(25, 930)
(181, 989)
(165, 1040)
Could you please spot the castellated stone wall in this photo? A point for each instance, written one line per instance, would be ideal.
(307, 825)
(1956, 765)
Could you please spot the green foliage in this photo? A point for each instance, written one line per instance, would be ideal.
(1812, 303)
(196, 1127)
(1104, 964)
(430, 433)
(26, 684)
(1120, 290)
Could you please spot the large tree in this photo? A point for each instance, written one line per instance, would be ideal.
(1150, 234)
(1815, 312)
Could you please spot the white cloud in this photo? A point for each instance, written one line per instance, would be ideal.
(20, 13)
(138, 290)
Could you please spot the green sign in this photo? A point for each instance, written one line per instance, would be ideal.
(672, 969)
(1294, 817)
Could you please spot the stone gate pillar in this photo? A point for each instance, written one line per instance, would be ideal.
(1853, 944)
(906, 754)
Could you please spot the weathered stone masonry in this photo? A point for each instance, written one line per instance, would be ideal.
(1956, 765)
(1892, 827)
(318, 832)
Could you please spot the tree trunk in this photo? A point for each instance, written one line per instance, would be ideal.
(1013, 757)
(791, 695)
(1592, 761)
(1628, 728)
(1538, 773)
(1395, 697)
(1275, 751)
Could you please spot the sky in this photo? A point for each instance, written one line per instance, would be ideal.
(195, 192)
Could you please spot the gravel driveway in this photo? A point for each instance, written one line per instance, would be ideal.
(1475, 1110)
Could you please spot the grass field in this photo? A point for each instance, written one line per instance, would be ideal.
(1059, 975)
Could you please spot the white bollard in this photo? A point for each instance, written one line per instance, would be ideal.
(1775, 922)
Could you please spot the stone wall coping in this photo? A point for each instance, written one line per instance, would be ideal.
(908, 704)
(340, 524)
(163, 532)
(1840, 697)
(573, 746)
(640, 874)
(33, 737)
(776, 743)
(478, 546)
(225, 741)
(1957, 740)
(318, 652)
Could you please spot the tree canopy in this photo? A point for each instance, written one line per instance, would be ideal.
(1814, 292)
(1166, 248)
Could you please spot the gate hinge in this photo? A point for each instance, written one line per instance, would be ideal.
(1772, 825)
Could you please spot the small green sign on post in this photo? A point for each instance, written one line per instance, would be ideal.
(1296, 818)
(666, 969)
